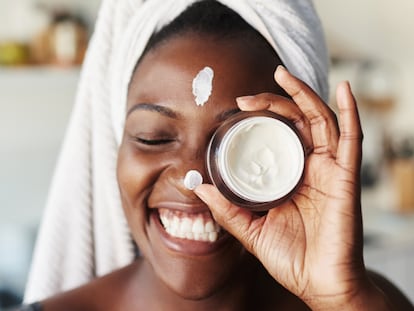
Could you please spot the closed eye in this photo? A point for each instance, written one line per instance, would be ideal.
(154, 142)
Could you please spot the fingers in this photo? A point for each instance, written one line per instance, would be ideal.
(238, 221)
(282, 106)
(323, 124)
(350, 142)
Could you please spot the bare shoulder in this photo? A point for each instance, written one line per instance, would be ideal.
(395, 296)
(99, 294)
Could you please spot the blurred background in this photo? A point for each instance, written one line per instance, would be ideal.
(42, 44)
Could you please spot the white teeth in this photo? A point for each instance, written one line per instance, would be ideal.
(186, 225)
(198, 227)
(197, 236)
(210, 226)
(212, 236)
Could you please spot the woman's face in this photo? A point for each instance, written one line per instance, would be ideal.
(166, 135)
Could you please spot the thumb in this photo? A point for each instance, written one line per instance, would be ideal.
(239, 222)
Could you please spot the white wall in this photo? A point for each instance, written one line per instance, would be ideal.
(34, 109)
(372, 28)
(376, 30)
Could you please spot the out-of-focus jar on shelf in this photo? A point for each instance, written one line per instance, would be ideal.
(401, 155)
(63, 43)
(14, 53)
(376, 86)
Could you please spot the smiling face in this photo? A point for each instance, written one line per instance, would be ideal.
(166, 135)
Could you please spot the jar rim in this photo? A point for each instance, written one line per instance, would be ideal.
(236, 184)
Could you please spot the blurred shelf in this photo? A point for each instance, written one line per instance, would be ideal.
(11, 73)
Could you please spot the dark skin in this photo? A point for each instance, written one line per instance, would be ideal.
(275, 262)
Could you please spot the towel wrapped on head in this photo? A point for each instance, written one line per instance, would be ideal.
(84, 233)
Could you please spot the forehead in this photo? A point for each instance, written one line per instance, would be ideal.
(240, 67)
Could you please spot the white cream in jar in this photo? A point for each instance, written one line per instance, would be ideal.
(256, 159)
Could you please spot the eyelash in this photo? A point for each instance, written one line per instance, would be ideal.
(153, 142)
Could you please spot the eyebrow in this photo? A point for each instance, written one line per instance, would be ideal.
(174, 115)
(154, 107)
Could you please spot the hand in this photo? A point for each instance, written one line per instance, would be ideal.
(311, 244)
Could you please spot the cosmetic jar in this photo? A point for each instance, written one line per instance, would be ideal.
(256, 159)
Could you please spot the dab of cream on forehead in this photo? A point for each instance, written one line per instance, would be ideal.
(203, 85)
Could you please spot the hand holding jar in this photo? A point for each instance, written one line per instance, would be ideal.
(318, 230)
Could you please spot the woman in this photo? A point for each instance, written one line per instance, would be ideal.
(304, 254)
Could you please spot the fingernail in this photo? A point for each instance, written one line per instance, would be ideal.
(244, 98)
(348, 84)
(299, 124)
(281, 67)
(199, 192)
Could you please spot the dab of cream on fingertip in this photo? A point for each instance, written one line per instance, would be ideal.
(192, 179)
(203, 85)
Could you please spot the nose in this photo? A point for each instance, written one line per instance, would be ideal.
(192, 160)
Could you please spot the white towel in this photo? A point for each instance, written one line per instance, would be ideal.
(84, 232)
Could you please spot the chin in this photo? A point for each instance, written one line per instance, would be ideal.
(196, 278)
(197, 285)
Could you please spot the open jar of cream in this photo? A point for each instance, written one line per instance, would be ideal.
(256, 159)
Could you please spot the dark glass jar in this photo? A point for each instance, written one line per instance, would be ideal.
(256, 159)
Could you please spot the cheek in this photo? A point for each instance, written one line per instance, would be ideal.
(136, 175)
(131, 176)
(136, 172)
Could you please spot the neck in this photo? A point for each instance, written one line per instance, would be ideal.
(249, 285)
